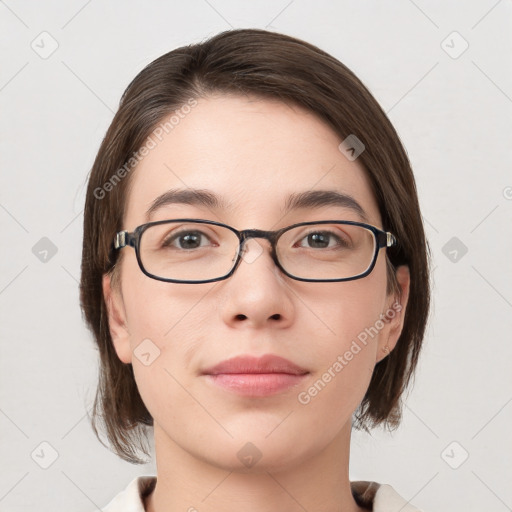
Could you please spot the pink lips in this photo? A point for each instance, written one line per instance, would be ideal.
(253, 376)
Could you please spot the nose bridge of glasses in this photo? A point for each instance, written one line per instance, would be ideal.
(246, 234)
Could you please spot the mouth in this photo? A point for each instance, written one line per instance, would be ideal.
(256, 377)
(256, 384)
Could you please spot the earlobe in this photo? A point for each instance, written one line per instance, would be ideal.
(117, 320)
(395, 314)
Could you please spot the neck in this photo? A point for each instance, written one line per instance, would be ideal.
(188, 483)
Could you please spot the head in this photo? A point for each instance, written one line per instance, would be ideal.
(252, 117)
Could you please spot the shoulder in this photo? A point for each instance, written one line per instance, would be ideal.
(371, 495)
(380, 497)
(131, 498)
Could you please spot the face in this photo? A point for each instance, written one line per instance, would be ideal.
(253, 154)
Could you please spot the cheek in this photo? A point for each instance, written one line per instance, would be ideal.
(156, 309)
(349, 310)
(167, 323)
(160, 345)
(349, 327)
(344, 366)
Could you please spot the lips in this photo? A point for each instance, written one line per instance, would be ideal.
(267, 364)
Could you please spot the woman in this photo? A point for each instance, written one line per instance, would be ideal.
(256, 276)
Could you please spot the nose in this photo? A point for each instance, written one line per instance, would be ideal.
(257, 293)
(255, 243)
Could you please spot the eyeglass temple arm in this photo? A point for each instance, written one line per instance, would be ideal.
(387, 239)
(123, 238)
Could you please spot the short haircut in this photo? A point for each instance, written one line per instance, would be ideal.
(272, 66)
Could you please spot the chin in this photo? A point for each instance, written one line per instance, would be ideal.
(256, 454)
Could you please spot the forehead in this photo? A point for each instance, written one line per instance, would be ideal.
(253, 154)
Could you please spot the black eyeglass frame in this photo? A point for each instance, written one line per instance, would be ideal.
(124, 239)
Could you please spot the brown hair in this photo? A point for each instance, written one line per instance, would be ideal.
(272, 66)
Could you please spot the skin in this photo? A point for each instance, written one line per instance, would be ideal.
(255, 153)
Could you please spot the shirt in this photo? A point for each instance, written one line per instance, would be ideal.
(371, 495)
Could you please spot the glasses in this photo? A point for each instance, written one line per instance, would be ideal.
(204, 251)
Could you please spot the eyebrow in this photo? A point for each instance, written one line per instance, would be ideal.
(313, 199)
(191, 196)
(321, 198)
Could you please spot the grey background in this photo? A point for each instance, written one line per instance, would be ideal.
(452, 109)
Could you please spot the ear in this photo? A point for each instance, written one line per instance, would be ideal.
(395, 313)
(117, 320)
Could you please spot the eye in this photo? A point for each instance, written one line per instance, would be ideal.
(186, 239)
(325, 240)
